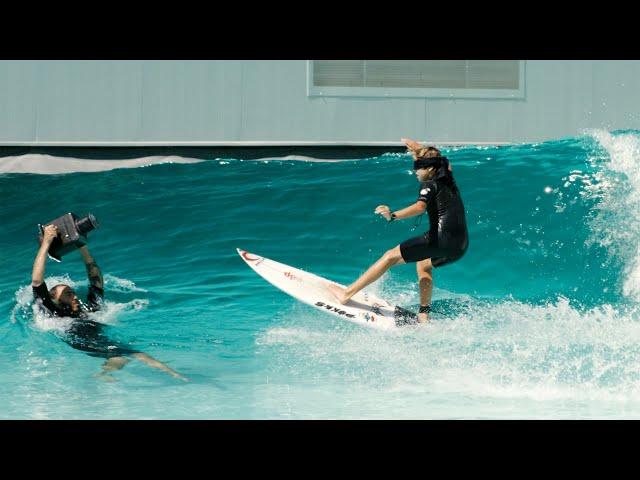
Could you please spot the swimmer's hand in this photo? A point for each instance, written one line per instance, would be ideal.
(384, 211)
(49, 235)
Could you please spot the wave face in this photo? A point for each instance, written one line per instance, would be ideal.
(538, 320)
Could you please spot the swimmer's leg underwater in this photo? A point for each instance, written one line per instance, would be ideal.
(152, 362)
(110, 365)
(117, 363)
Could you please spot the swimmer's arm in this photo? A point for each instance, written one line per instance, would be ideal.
(37, 274)
(93, 271)
(417, 208)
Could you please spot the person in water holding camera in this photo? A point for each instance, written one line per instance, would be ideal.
(84, 334)
(444, 243)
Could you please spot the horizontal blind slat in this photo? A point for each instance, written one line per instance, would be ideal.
(416, 73)
(338, 73)
(446, 74)
(494, 74)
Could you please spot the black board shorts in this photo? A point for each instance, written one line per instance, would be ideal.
(427, 246)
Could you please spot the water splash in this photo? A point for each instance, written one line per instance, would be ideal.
(616, 187)
(27, 311)
(115, 284)
(511, 350)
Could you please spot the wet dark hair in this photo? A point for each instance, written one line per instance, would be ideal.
(52, 290)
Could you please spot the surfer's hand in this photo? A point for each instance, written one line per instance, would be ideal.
(50, 233)
(384, 211)
(411, 144)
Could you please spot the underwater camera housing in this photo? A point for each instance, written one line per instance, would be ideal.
(72, 233)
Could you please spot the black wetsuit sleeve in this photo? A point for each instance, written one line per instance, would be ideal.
(41, 293)
(96, 284)
(94, 298)
(427, 191)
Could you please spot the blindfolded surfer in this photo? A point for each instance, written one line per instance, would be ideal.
(446, 240)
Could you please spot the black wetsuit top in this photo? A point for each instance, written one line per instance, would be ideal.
(83, 334)
(447, 239)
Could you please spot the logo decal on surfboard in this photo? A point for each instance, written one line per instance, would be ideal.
(291, 276)
(335, 309)
(246, 256)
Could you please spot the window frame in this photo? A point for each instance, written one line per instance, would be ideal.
(403, 92)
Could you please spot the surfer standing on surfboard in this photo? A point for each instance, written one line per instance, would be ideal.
(447, 238)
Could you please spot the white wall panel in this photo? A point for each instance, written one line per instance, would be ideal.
(267, 101)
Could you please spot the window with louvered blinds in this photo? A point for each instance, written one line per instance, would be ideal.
(481, 78)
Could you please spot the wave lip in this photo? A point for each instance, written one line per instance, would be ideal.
(52, 165)
(616, 225)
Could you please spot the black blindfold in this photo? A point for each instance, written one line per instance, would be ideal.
(430, 162)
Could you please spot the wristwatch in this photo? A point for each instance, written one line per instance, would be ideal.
(393, 217)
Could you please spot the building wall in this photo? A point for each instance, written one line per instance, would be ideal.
(182, 102)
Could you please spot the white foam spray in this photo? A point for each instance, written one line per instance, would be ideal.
(26, 308)
(616, 224)
(51, 165)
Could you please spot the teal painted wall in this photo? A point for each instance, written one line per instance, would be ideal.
(266, 101)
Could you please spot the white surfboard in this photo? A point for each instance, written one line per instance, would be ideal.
(364, 308)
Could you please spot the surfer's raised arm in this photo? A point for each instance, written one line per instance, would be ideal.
(417, 150)
(37, 275)
(411, 144)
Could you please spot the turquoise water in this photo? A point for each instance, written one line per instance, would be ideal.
(541, 318)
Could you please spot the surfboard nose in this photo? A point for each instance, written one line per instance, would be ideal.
(248, 256)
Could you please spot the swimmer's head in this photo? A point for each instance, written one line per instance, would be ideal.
(65, 298)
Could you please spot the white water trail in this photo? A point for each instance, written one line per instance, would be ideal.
(52, 165)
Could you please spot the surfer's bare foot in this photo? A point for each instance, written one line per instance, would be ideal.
(423, 318)
(339, 293)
